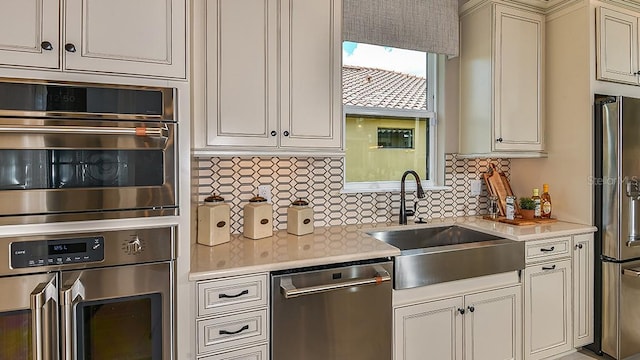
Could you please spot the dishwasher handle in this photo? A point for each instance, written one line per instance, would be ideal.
(291, 291)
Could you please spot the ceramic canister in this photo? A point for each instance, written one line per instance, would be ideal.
(300, 218)
(258, 218)
(213, 221)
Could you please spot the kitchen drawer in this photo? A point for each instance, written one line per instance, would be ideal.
(232, 331)
(548, 249)
(230, 294)
(260, 352)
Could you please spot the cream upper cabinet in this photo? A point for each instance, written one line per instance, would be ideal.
(485, 325)
(501, 82)
(268, 76)
(547, 309)
(617, 46)
(143, 37)
(583, 289)
(30, 33)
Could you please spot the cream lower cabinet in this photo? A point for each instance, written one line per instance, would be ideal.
(547, 309)
(233, 318)
(267, 76)
(583, 258)
(483, 325)
(501, 81)
(143, 37)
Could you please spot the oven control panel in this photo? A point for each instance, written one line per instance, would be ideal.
(26, 254)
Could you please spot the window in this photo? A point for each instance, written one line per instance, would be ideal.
(390, 127)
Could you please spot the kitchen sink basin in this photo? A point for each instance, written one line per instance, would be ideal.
(438, 254)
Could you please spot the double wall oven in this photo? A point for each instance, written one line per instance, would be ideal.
(95, 295)
(77, 151)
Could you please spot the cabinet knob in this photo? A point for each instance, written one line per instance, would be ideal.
(471, 308)
(499, 139)
(70, 47)
(45, 45)
(285, 133)
(579, 246)
(461, 311)
(274, 133)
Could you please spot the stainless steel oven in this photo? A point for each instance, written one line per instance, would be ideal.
(71, 151)
(97, 295)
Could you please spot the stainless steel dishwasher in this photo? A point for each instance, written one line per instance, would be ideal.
(337, 312)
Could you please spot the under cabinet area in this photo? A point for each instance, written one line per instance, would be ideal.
(268, 79)
(481, 325)
(501, 81)
(146, 38)
(233, 318)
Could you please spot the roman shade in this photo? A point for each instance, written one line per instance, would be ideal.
(423, 25)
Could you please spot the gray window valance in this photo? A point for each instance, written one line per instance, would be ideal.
(424, 25)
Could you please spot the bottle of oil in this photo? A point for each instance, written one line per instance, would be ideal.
(545, 200)
(536, 199)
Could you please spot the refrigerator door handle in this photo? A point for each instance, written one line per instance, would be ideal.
(631, 272)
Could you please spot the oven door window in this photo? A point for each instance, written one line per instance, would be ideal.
(59, 169)
(123, 328)
(15, 338)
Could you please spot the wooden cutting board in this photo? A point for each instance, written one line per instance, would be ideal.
(520, 221)
(498, 185)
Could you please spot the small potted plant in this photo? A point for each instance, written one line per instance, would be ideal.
(527, 207)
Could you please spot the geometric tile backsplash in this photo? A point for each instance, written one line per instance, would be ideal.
(319, 180)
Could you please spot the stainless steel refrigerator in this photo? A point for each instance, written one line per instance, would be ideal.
(616, 183)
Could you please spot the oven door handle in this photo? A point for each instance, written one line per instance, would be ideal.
(159, 132)
(70, 295)
(291, 291)
(40, 297)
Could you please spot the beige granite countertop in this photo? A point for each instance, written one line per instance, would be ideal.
(337, 244)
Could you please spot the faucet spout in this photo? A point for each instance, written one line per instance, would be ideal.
(403, 207)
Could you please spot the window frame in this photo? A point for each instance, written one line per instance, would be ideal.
(436, 155)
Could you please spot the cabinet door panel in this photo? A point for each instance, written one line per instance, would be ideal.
(617, 52)
(583, 290)
(547, 309)
(241, 66)
(142, 37)
(493, 328)
(432, 329)
(24, 25)
(519, 55)
(311, 77)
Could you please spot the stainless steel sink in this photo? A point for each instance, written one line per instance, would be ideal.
(438, 254)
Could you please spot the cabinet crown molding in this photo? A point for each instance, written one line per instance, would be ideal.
(541, 6)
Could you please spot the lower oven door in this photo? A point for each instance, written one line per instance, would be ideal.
(29, 317)
(122, 312)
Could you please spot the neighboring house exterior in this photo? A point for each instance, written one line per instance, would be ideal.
(386, 124)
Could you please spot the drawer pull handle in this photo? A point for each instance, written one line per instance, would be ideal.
(225, 332)
(553, 267)
(243, 292)
(547, 250)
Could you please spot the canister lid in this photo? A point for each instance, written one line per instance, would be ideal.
(300, 202)
(257, 199)
(214, 198)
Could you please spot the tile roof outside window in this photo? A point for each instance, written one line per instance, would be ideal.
(371, 87)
